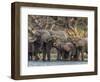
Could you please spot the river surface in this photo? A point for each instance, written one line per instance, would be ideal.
(53, 63)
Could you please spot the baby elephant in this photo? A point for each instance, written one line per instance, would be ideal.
(69, 51)
(64, 50)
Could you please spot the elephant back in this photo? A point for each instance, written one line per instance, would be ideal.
(68, 46)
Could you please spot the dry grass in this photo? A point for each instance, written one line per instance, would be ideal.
(76, 33)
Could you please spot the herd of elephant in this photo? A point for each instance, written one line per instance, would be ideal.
(44, 40)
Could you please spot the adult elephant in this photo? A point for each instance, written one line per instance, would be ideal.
(36, 47)
(45, 41)
(81, 46)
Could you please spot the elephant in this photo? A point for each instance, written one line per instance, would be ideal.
(81, 46)
(69, 50)
(36, 48)
(43, 41)
(65, 50)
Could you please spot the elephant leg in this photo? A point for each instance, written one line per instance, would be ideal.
(64, 55)
(35, 52)
(82, 56)
(58, 55)
(35, 56)
(44, 55)
(48, 54)
(70, 55)
(67, 55)
(77, 55)
(31, 56)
